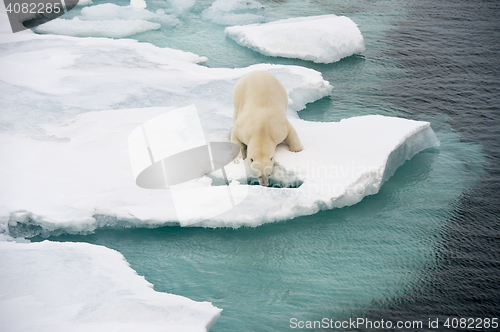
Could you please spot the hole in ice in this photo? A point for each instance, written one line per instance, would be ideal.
(276, 183)
(280, 178)
(24, 229)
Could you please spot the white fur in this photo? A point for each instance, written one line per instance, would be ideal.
(260, 123)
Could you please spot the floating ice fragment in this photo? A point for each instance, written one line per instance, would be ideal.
(232, 12)
(108, 28)
(109, 11)
(321, 39)
(181, 6)
(83, 3)
(108, 20)
(139, 4)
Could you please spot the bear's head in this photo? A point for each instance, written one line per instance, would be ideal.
(261, 167)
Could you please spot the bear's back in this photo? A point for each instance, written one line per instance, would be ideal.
(260, 91)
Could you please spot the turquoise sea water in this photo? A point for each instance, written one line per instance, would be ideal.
(337, 264)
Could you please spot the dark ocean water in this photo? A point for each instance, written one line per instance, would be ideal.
(426, 246)
(451, 53)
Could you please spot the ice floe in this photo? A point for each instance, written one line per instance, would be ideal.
(321, 39)
(109, 20)
(232, 12)
(83, 3)
(51, 286)
(85, 180)
(109, 11)
(108, 28)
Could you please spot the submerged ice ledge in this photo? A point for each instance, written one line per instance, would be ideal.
(232, 12)
(52, 286)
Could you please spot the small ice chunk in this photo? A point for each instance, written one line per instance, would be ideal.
(109, 11)
(181, 6)
(139, 4)
(321, 39)
(83, 3)
(232, 12)
(108, 28)
(108, 20)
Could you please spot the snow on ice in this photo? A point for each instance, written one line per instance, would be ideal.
(321, 39)
(52, 286)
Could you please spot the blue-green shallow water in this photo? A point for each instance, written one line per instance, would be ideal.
(334, 264)
(395, 255)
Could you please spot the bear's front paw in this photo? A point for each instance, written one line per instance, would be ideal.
(296, 148)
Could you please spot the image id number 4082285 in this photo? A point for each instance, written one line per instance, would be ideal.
(471, 323)
(34, 8)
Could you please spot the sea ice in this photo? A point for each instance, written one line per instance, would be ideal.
(138, 4)
(108, 28)
(109, 11)
(232, 12)
(179, 7)
(70, 183)
(322, 39)
(75, 175)
(52, 286)
(108, 20)
(83, 3)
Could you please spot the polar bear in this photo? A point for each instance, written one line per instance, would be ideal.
(260, 123)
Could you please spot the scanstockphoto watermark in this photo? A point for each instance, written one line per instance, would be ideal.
(317, 170)
(452, 323)
(326, 180)
(170, 151)
(356, 323)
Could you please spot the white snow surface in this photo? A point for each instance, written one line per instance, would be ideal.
(52, 286)
(232, 12)
(321, 39)
(84, 180)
